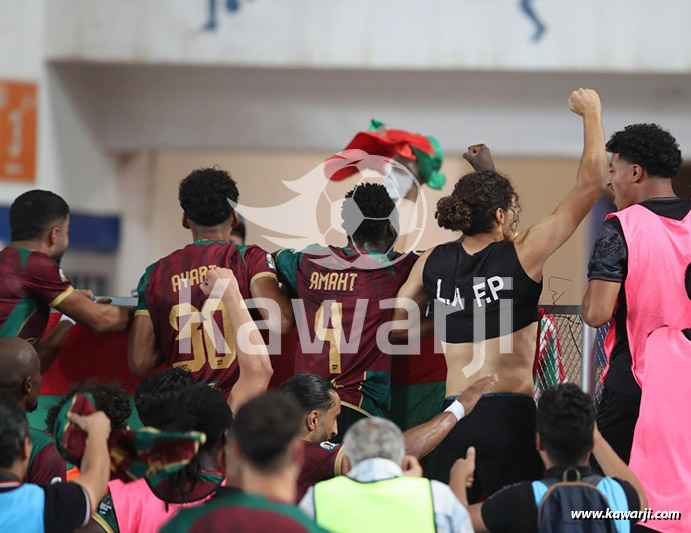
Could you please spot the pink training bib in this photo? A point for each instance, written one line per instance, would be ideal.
(139, 510)
(659, 251)
(661, 451)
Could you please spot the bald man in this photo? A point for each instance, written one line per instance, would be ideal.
(20, 379)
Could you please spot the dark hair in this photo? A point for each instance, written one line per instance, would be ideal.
(471, 206)
(14, 428)
(687, 281)
(155, 396)
(312, 392)
(33, 213)
(373, 202)
(565, 422)
(649, 146)
(204, 196)
(240, 229)
(198, 407)
(110, 398)
(265, 427)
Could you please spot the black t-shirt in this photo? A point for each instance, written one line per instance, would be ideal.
(465, 284)
(609, 262)
(66, 506)
(513, 508)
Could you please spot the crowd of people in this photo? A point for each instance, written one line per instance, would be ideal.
(319, 454)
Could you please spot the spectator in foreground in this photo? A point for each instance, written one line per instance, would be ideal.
(61, 507)
(566, 435)
(384, 490)
(145, 505)
(110, 398)
(266, 440)
(20, 379)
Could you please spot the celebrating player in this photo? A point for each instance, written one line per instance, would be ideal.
(490, 276)
(168, 326)
(32, 281)
(341, 296)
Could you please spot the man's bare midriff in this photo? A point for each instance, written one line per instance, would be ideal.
(515, 369)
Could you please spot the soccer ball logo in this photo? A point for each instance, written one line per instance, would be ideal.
(345, 217)
(320, 215)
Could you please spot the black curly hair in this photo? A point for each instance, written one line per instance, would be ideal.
(649, 146)
(155, 396)
(204, 196)
(372, 201)
(198, 407)
(471, 206)
(110, 398)
(565, 422)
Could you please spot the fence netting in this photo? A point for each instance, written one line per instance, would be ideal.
(560, 358)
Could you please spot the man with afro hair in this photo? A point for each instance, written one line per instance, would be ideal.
(636, 270)
(333, 283)
(167, 326)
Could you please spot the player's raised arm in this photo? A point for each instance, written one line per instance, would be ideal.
(251, 352)
(540, 241)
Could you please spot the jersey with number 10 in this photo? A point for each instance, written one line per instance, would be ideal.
(169, 293)
(342, 300)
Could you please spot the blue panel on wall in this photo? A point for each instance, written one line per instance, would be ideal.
(87, 232)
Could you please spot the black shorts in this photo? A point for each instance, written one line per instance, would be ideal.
(502, 429)
(346, 419)
(617, 414)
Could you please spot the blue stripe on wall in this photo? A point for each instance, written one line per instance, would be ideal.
(87, 232)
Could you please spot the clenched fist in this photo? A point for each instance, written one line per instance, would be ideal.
(479, 157)
(583, 101)
(221, 275)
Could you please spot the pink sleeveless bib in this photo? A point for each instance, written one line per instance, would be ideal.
(659, 250)
(661, 451)
(139, 510)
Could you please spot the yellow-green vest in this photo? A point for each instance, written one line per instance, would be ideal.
(400, 504)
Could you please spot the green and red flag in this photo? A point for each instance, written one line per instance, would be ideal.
(147, 452)
(420, 153)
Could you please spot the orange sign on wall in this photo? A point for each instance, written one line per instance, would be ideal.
(17, 131)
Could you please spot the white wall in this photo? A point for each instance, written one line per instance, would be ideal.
(517, 114)
(70, 160)
(594, 35)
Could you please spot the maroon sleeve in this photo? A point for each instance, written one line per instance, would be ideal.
(321, 462)
(259, 264)
(45, 280)
(47, 466)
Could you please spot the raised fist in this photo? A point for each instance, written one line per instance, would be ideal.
(479, 157)
(584, 101)
(215, 274)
